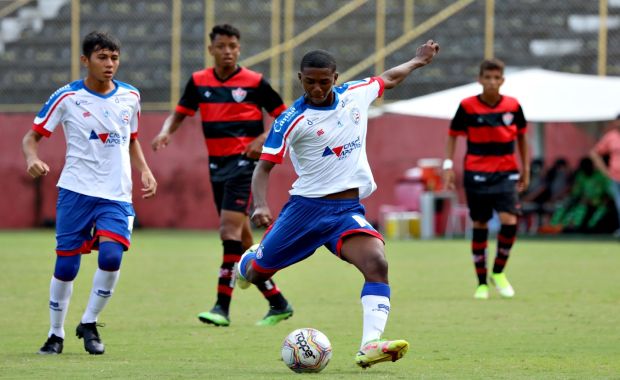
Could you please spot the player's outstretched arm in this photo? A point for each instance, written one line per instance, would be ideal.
(149, 184)
(171, 124)
(260, 179)
(30, 145)
(424, 56)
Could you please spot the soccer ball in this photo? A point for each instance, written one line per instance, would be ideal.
(306, 350)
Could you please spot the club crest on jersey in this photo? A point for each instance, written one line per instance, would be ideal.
(507, 118)
(125, 116)
(239, 94)
(356, 115)
(343, 151)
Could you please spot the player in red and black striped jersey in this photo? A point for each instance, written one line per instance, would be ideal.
(230, 99)
(492, 123)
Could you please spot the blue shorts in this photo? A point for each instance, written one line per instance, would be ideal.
(305, 224)
(81, 219)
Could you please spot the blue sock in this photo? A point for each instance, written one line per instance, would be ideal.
(110, 256)
(376, 289)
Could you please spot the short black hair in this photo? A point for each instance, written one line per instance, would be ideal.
(96, 40)
(492, 64)
(226, 30)
(319, 59)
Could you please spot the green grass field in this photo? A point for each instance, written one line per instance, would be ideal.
(564, 322)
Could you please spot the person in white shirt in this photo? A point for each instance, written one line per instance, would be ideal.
(99, 116)
(325, 133)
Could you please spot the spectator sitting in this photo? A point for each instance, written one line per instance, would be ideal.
(587, 204)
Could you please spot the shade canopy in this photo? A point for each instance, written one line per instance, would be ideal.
(546, 96)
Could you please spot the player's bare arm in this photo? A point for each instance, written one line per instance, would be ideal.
(254, 149)
(424, 56)
(448, 164)
(30, 144)
(260, 179)
(171, 124)
(149, 184)
(524, 178)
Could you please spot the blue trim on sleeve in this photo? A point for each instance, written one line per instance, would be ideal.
(73, 86)
(376, 289)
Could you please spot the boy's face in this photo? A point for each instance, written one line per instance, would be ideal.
(491, 81)
(225, 50)
(318, 84)
(102, 64)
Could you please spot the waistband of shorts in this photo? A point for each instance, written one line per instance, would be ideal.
(325, 201)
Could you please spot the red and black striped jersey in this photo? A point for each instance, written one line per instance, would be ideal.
(491, 133)
(231, 114)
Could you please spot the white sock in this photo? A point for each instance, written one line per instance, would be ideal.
(103, 287)
(376, 310)
(60, 295)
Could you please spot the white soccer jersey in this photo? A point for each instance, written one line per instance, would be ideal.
(327, 145)
(97, 130)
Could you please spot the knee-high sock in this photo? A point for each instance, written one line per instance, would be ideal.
(103, 287)
(272, 293)
(479, 244)
(233, 249)
(376, 308)
(60, 295)
(505, 240)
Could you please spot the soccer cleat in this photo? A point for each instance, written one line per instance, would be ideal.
(482, 292)
(275, 316)
(216, 316)
(52, 346)
(378, 351)
(240, 281)
(92, 342)
(502, 285)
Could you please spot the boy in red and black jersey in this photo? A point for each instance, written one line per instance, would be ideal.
(492, 123)
(230, 99)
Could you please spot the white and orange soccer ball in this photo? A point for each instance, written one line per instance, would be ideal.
(306, 350)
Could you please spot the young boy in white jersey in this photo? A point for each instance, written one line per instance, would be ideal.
(99, 116)
(325, 133)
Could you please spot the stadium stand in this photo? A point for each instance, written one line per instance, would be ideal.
(559, 35)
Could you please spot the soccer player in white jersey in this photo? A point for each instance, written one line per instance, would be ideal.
(325, 133)
(99, 116)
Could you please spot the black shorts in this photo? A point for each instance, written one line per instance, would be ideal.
(481, 205)
(233, 194)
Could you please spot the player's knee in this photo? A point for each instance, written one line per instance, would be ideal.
(375, 267)
(67, 267)
(110, 256)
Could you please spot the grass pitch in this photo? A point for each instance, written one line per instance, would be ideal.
(564, 322)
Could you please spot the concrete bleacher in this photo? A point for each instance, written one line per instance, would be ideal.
(527, 33)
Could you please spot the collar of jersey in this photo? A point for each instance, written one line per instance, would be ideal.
(326, 108)
(98, 94)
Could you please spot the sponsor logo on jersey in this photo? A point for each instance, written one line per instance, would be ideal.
(284, 118)
(125, 116)
(207, 94)
(108, 139)
(356, 115)
(239, 94)
(81, 102)
(343, 151)
(507, 118)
